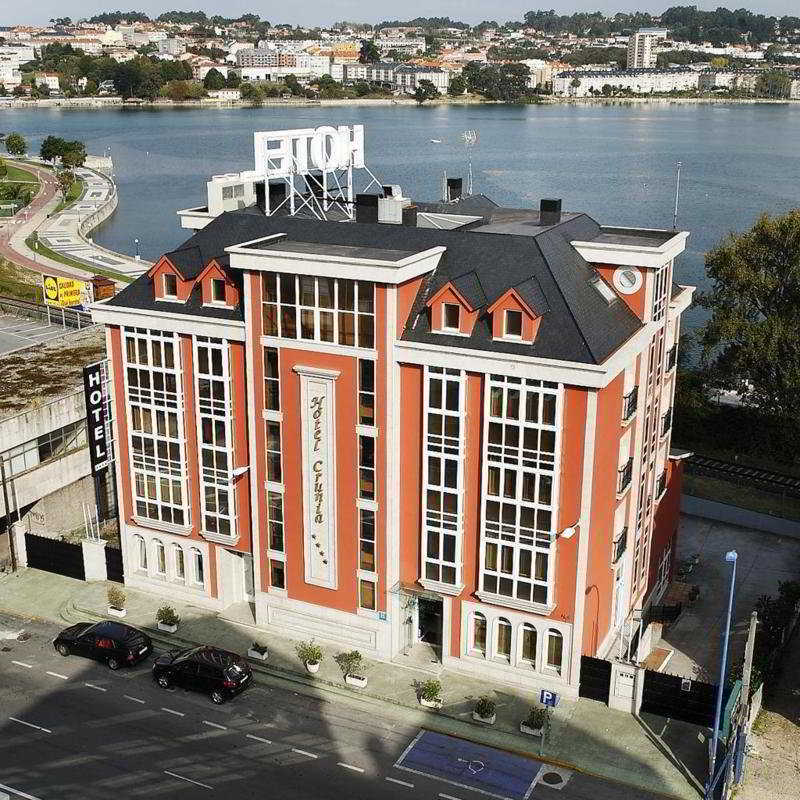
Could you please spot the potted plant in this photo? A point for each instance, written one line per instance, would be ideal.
(429, 693)
(485, 710)
(536, 721)
(310, 654)
(352, 666)
(258, 651)
(167, 619)
(116, 602)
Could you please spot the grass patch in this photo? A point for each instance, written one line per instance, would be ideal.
(76, 191)
(741, 495)
(17, 174)
(44, 250)
(18, 282)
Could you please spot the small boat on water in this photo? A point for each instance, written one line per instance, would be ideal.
(436, 141)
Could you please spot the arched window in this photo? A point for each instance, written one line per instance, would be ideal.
(478, 634)
(140, 550)
(555, 647)
(529, 644)
(180, 566)
(161, 557)
(197, 566)
(504, 638)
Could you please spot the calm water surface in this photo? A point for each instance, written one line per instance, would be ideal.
(617, 163)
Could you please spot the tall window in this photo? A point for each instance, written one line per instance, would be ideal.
(141, 553)
(503, 649)
(366, 539)
(170, 285)
(274, 452)
(217, 290)
(215, 435)
(660, 292)
(513, 323)
(275, 519)
(366, 467)
(277, 574)
(443, 454)
(161, 558)
(452, 314)
(529, 644)
(157, 444)
(479, 633)
(367, 595)
(198, 571)
(366, 391)
(335, 310)
(272, 394)
(555, 646)
(518, 523)
(180, 567)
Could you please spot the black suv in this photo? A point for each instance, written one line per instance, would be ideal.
(116, 644)
(218, 673)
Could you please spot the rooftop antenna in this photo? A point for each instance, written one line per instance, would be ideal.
(470, 139)
(677, 193)
(445, 193)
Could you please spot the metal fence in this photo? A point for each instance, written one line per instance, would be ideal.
(52, 315)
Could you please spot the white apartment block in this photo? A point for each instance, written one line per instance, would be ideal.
(402, 44)
(641, 48)
(640, 81)
(10, 76)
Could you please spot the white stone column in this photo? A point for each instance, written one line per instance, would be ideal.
(94, 559)
(20, 550)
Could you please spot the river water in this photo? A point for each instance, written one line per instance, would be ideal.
(616, 162)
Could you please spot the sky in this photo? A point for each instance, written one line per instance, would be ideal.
(326, 12)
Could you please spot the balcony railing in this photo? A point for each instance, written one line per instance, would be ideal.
(672, 357)
(661, 485)
(624, 476)
(630, 403)
(666, 422)
(620, 543)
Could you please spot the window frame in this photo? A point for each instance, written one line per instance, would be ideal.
(215, 283)
(165, 292)
(445, 326)
(506, 334)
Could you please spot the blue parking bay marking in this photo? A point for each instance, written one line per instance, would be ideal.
(472, 766)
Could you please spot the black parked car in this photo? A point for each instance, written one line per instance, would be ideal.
(218, 673)
(116, 644)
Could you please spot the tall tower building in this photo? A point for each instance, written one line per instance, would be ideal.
(641, 48)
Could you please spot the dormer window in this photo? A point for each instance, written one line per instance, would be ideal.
(451, 317)
(513, 324)
(217, 290)
(171, 286)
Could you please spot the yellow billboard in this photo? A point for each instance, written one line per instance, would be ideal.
(66, 292)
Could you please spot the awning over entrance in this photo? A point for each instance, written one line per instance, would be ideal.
(414, 589)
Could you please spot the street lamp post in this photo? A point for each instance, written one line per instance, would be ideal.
(730, 557)
(136, 242)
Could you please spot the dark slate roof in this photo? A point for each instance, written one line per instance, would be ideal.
(578, 324)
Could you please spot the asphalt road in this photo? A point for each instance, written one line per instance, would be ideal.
(71, 728)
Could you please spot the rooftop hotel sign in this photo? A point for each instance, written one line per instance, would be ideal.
(318, 424)
(279, 154)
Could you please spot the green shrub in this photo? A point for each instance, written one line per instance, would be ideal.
(485, 707)
(351, 663)
(309, 652)
(116, 597)
(430, 690)
(537, 717)
(167, 615)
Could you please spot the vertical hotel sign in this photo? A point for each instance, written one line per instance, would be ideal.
(318, 424)
(96, 423)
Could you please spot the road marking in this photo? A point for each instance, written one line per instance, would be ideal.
(138, 700)
(214, 725)
(170, 711)
(57, 675)
(30, 725)
(402, 783)
(258, 738)
(188, 780)
(23, 664)
(99, 688)
(304, 753)
(18, 792)
(349, 766)
(448, 796)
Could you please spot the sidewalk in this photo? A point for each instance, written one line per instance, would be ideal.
(649, 753)
(61, 232)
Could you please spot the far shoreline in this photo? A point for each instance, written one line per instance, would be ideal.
(105, 103)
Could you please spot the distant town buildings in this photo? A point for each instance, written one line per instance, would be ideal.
(642, 48)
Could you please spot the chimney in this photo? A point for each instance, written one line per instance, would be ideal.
(455, 188)
(366, 208)
(549, 211)
(410, 216)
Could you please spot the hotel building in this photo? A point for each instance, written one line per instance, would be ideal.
(403, 428)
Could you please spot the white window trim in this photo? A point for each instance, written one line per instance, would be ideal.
(445, 327)
(212, 301)
(513, 336)
(164, 294)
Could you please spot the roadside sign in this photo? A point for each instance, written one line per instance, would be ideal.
(67, 292)
(548, 698)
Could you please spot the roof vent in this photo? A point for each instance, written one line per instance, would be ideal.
(549, 211)
(366, 208)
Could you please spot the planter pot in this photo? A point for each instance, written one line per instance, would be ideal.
(437, 703)
(312, 666)
(163, 626)
(485, 720)
(258, 655)
(523, 728)
(116, 612)
(356, 680)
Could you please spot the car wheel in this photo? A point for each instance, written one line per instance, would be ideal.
(163, 681)
(113, 663)
(217, 697)
(63, 649)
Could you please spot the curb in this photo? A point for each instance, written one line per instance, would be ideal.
(463, 730)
